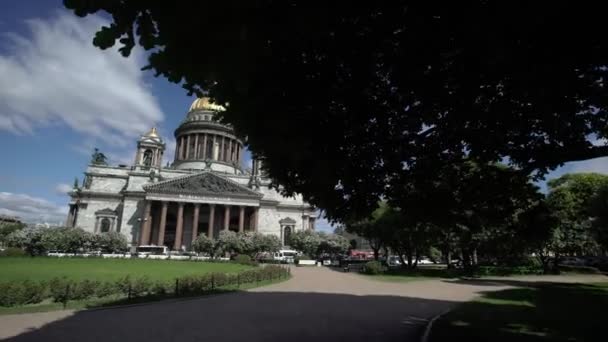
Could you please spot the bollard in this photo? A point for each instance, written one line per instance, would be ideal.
(129, 292)
(176, 287)
(238, 281)
(212, 282)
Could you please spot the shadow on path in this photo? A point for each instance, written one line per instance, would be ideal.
(250, 316)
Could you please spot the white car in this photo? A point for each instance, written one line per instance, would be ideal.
(285, 255)
(144, 251)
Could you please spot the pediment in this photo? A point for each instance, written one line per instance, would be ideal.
(204, 184)
(287, 221)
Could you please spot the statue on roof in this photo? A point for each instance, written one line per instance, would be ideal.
(98, 158)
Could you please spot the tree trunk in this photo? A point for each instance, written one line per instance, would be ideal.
(474, 260)
(448, 258)
(376, 254)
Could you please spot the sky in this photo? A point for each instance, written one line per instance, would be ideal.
(60, 97)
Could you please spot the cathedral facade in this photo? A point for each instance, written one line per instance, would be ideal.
(204, 191)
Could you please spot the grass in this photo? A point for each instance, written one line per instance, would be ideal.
(121, 300)
(547, 312)
(42, 268)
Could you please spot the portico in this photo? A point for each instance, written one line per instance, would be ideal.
(176, 211)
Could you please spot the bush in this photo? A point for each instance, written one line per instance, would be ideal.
(33, 292)
(373, 267)
(60, 289)
(159, 288)
(13, 252)
(111, 242)
(84, 289)
(141, 286)
(10, 294)
(244, 259)
(105, 289)
(134, 287)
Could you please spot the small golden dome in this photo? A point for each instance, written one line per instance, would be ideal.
(203, 103)
(153, 133)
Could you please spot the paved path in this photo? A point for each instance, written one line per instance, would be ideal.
(317, 304)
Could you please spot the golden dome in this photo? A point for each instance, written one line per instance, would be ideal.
(153, 133)
(203, 103)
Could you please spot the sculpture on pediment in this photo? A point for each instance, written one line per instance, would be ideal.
(98, 158)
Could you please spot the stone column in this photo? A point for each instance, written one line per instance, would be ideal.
(69, 223)
(241, 219)
(205, 146)
(179, 229)
(226, 217)
(145, 225)
(96, 230)
(197, 208)
(187, 147)
(181, 148)
(196, 146)
(312, 223)
(163, 224)
(211, 219)
(177, 149)
(221, 158)
(230, 157)
(214, 153)
(254, 219)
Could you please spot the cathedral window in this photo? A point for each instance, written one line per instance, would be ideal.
(105, 225)
(147, 159)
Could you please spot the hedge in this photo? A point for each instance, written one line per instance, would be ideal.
(62, 290)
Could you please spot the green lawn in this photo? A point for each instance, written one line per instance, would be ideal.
(548, 312)
(42, 268)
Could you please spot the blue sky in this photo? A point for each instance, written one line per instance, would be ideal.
(60, 97)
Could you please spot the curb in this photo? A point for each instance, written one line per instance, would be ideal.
(429, 326)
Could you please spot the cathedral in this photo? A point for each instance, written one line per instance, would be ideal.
(204, 191)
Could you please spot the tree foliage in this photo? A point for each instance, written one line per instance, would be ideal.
(247, 243)
(390, 90)
(576, 199)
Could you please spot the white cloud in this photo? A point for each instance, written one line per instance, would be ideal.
(55, 75)
(31, 209)
(62, 188)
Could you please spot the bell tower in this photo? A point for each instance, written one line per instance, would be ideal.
(150, 149)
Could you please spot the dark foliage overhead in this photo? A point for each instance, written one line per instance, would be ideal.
(341, 99)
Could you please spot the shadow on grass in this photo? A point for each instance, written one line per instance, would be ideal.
(497, 281)
(545, 312)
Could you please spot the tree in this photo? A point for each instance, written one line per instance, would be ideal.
(110, 242)
(574, 200)
(375, 230)
(599, 211)
(229, 242)
(466, 203)
(333, 244)
(204, 244)
(306, 241)
(266, 243)
(392, 88)
(7, 229)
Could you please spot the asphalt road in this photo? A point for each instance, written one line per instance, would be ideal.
(317, 304)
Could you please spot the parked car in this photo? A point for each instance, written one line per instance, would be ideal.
(393, 261)
(285, 255)
(151, 250)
